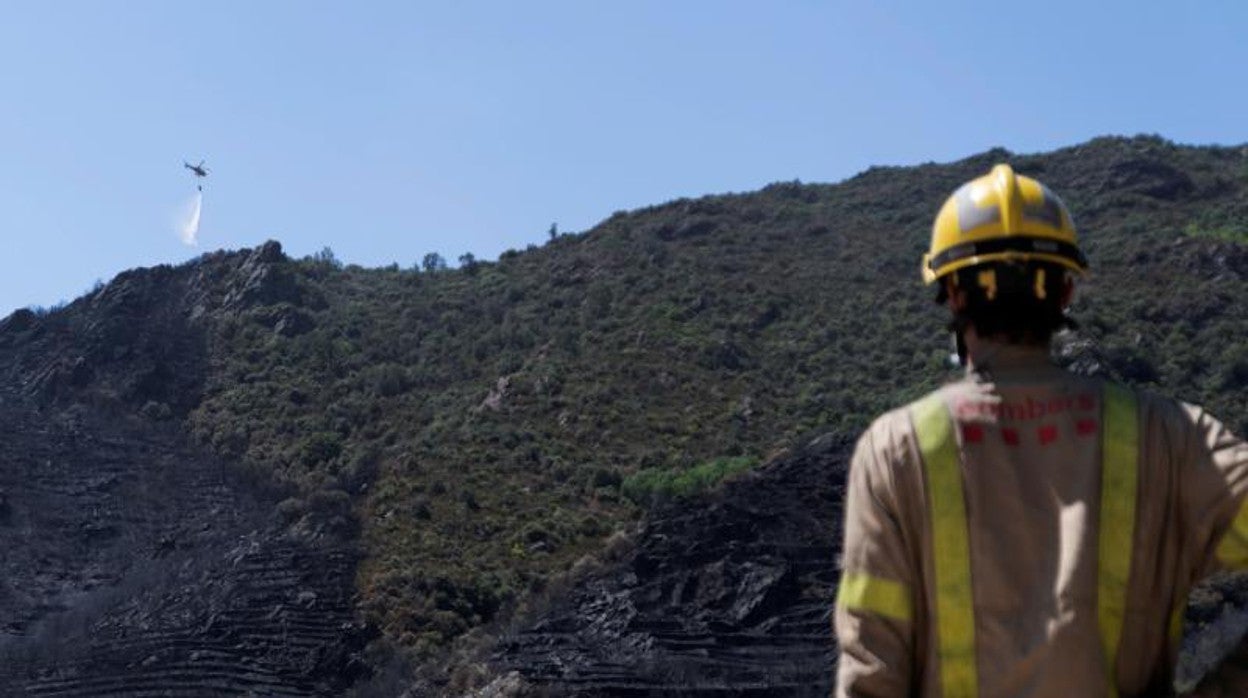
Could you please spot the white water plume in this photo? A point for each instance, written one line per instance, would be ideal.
(188, 220)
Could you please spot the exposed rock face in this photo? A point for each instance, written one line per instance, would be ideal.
(726, 596)
(1149, 177)
(142, 338)
(262, 280)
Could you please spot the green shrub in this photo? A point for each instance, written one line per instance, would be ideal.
(320, 447)
(662, 483)
(388, 380)
(1226, 233)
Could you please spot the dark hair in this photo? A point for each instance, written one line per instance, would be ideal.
(1014, 315)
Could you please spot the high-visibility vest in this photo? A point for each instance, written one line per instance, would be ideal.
(954, 616)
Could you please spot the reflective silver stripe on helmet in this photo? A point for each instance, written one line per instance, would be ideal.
(970, 214)
(1049, 210)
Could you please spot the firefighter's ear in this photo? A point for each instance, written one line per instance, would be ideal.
(955, 296)
(1068, 292)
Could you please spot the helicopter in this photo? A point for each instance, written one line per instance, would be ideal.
(199, 170)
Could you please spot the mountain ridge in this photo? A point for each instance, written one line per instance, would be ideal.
(479, 433)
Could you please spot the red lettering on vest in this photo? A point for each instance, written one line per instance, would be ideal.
(972, 433)
(1085, 427)
(1047, 434)
(1010, 436)
(1027, 409)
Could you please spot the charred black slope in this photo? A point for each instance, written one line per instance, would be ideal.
(730, 594)
(137, 563)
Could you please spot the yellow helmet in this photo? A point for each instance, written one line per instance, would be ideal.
(998, 217)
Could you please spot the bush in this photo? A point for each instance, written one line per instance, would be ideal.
(388, 380)
(291, 509)
(659, 483)
(320, 447)
(433, 262)
(158, 411)
(331, 501)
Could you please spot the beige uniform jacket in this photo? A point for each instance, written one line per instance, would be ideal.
(1028, 436)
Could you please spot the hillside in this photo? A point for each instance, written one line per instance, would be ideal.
(479, 433)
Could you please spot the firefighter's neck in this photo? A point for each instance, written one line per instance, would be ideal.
(986, 353)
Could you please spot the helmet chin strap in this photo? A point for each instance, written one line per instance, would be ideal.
(957, 329)
(956, 325)
(959, 344)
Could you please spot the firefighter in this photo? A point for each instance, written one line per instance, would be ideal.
(1026, 531)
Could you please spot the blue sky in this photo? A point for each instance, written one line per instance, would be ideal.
(386, 130)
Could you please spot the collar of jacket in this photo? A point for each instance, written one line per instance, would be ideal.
(993, 359)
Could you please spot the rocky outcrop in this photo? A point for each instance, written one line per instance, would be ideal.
(1150, 177)
(142, 339)
(262, 278)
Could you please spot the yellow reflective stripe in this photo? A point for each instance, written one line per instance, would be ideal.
(1119, 475)
(1176, 620)
(1232, 550)
(955, 613)
(862, 592)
